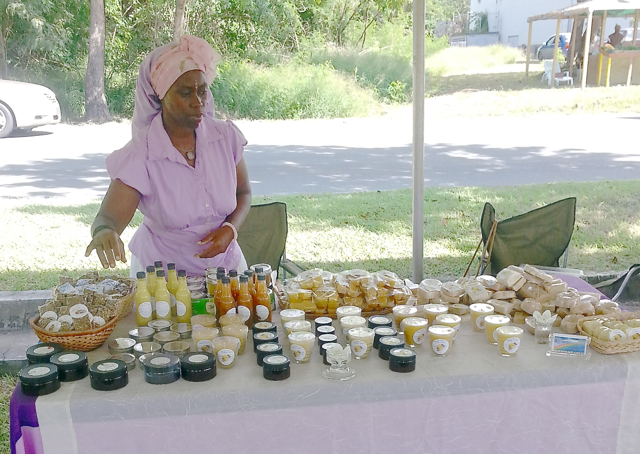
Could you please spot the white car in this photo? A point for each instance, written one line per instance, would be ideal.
(26, 106)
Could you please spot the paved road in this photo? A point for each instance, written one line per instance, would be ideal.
(313, 156)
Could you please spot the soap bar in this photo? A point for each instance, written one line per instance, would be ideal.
(509, 278)
(449, 299)
(556, 287)
(476, 292)
(545, 277)
(501, 307)
(504, 295)
(452, 289)
(530, 305)
(458, 309)
(569, 324)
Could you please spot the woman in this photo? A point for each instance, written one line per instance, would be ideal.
(183, 169)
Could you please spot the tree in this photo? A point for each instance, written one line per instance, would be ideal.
(177, 23)
(95, 101)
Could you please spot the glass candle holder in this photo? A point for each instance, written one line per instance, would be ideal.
(542, 331)
(491, 322)
(431, 311)
(352, 321)
(441, 338)
(401, 312)
(226, 350)
(451, 320)
(361, 341)
(509, 339)
(238, 331)
(415, 330)
(301, 345)
(478, 312)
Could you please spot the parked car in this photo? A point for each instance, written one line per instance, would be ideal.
(26, 106)
(628, 37)
(545, 52)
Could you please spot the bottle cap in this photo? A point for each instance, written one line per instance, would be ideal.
(171, 266)
(157, 264)
(160, 273)
(182, 273)
(151, 269)
(141, 275)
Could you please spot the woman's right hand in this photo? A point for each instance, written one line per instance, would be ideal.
(109, 248)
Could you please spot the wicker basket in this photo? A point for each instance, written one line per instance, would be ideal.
(85, 341)
(611, 347)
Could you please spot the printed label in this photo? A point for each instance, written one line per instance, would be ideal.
(145, 310)
(268, 347)
(67, 358)
(245, 312)
(385, 331)
(38, 371)
(265, 335)
(403, 352)
(107, 367)
(226, 356)
(298, 352)
(162, 308)
(160, 361)
(511, 345)
(480, 321)
(198, 358)
(358, 347)
(197, 326)
(262, 325)
(418, 336)
(181, 309)
(277, 360)
(440, 346)
(210, 307)
(172, 300)
(262, 312)
(43, 350)
(205, 346)
(231, 311)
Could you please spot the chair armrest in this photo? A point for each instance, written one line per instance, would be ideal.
(291, 267)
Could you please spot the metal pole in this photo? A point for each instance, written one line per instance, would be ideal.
(526, 69)
(552, 79)
(418, 138)
(587, 50)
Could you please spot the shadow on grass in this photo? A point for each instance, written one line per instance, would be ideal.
(504, 81)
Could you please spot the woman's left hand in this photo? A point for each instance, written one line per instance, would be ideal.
(218, 240)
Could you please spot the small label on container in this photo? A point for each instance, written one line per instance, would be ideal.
(210, 307)
(245, 312)
(262, 325)
(385, 331)
(162, 308)
(265, 335)
(231, 311)
(480, 321)
(38, 371)
(69, 357)
(403, 352)
(391, 341)
(226, 356)
(269, 347)
(277, 360)
(160, 361)
(418, 336)
(107, 367)
(440, 346)
(262, 312)
(43, 350)
(298, 352)
(358, 347)
(511, 345)
(205, 345)
(379, 320)
(198, 358)
(181, 309)
(145, 309)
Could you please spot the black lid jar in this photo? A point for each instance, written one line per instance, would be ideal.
(269, 348)
(324, 351)
(402, 360)
(42, 353)
(260, 327)
(72, 366)
(326, 329)
(386, 344)
(161, 368)
(380, 332)
(326, 339)
(322, 321)
(39, 379)
(264, 338)
(276, 367)
(198, 366)
(108, 375)
(128, 358)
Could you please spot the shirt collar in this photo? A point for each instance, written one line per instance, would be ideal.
(160, 146)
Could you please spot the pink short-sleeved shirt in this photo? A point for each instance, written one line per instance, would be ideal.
(181, 204)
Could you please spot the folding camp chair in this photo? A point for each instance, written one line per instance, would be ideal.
(538, 237)
(263, 237)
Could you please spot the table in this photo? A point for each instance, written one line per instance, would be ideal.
(630, 54)
(472, 401)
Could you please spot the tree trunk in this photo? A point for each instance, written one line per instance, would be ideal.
(3, 53)
(94, 99)
(177, 22)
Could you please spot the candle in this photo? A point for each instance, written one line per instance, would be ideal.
(344, 311)
(293, 326)
(415, 330)
(478, 312)
(291, 314)
(301, 345)
(401, 312)
(441, 338)
(361, 341)
(226, 350)
(433, 310)
(509, 339)
(203, 338)
(491, 322)
(379, 320)
(352, 321)
(239, 332)
(451, 320)
(206, 320)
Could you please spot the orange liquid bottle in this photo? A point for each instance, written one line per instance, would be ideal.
(235, 284)
(252, 287)
(245, 302)
(172, 286)
(218, 293)
(226, 299)
(262, 300)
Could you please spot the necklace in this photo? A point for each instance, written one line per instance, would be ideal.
(190, 153)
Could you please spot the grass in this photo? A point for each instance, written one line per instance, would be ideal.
(370, 230)
(7, 384)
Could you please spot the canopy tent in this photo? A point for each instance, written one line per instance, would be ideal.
(587, 10)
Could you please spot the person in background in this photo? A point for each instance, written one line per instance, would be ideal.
(183, 169)
(616, 37)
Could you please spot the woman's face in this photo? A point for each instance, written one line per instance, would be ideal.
(183, 105)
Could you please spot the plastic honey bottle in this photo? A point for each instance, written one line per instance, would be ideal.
(144, 310)
(262, 300)
(183, 298)
(172, 285)
(226, 299)
(163, 298)
(235, 284)
(218, 294)
(245, 302)
(252, 287)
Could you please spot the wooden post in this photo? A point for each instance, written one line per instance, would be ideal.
(587, 50)
(552, 82)
(635, 36)
(602, 31)
(526, 70)
(572, 46)
(608, 72)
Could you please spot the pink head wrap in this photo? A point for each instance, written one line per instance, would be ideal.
(190, 53)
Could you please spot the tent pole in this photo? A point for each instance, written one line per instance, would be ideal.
(418, 138)
(587, 50)
(526, 70)
(635, 36)
(602, 32)
(552, 82)
(572, 46)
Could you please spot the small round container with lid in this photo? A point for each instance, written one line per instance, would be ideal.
(491, 322)
(121, 345)
(287, 315)
(198, 366)
(205, 320)
(183, 329)
(42, 353)
(128, 358)
(146, 347)
(269, 348)
(379, 320)
(352, 321)
(478, 312)
(160, 325)
(165, 336)
(203, 337)
(388, 343)
(322, 321)
(402, 360)
(178, 348)
(380, 332)
(415, 330)
(260, 327)
(441, 338)
(326, 339)
(142, 334)
(72, 365)
(293, 326)
(161, 368)
(39, 379)
(344, 311)
(108, 375)
(263, 338)
(325, 330)
(276, 367)
(451, 320)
